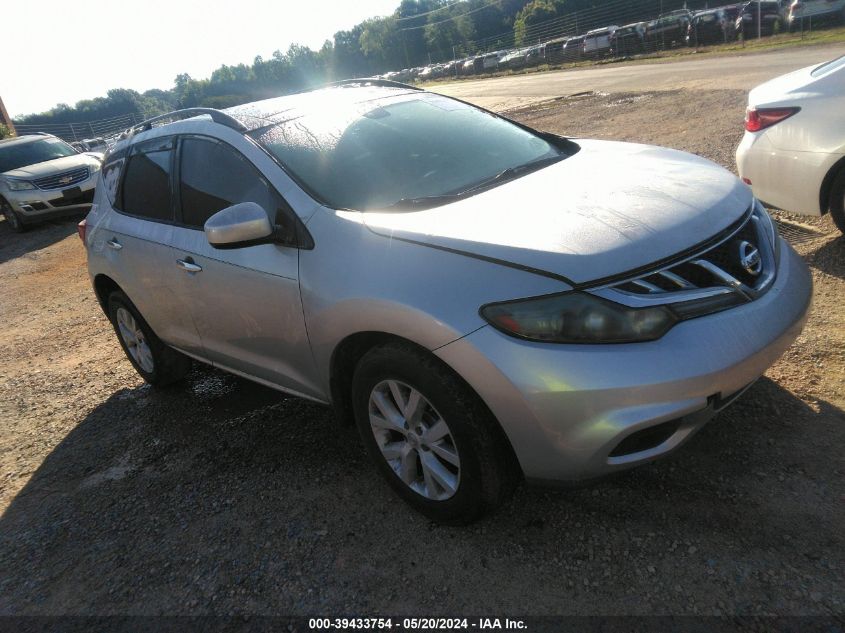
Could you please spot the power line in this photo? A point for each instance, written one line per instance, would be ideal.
(454, 17)
(445, 6)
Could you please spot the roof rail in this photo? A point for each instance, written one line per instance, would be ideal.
(372, 81)
(177, 115)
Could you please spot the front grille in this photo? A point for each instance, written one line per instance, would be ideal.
(86, 197)
(62, 180)
(741, 266)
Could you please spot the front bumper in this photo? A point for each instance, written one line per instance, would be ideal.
(34, 205)
(567, 409)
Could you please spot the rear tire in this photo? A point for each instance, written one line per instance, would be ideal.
(15, 223)
(156, 363)
(448, 436)
(837, 201)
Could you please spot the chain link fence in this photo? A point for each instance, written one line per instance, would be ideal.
(84, 130)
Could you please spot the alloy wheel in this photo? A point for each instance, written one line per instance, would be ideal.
(136, 342)
(415, 440)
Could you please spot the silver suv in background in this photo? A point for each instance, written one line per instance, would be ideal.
(42, 177)
(487, 302)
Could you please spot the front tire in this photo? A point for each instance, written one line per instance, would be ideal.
(430, 436)
(156, 363)
(15, 223)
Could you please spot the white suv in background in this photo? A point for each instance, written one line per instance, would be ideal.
(42, 177)
(793, 152)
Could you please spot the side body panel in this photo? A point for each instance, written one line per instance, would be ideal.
(136, 255)
(246, 306)
(245, 301)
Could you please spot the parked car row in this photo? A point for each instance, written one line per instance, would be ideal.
(675, 28)
(98, 144)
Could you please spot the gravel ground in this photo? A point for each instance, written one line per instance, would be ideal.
(221, 496)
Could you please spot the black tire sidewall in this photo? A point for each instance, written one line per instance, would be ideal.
(837, 201)
(120, 300)
(12, 218)
(457, 410)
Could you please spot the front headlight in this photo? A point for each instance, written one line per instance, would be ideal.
(768, 226)
(19, 185)
(577, 317)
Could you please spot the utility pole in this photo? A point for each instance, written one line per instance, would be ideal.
(759, 19)
(6, 120)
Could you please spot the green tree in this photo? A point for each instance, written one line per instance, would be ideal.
(381, 43)
(532, 14)
(417, 31)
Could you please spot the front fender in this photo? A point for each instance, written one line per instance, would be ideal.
(356, 281)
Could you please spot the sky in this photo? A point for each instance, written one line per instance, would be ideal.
(61, 52)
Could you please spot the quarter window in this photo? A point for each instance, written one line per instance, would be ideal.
(214, 176)
(146, 187)
(112, 168)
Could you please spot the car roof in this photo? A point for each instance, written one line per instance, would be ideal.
(261, 114)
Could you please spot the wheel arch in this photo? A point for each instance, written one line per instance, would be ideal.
(351, 349)
(827, 185)
(342, 365)
(103, 287)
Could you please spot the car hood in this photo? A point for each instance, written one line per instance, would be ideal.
(610, 208)
(55, 166)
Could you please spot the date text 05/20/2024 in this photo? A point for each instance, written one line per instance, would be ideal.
(415, 624)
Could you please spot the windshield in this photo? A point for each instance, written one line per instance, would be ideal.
(375, 154)
(23, 154)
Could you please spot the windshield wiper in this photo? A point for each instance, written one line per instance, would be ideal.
(513, 172)
(428, 202)
(424, 202)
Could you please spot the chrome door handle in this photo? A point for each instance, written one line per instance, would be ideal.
(190, 267)
(114, 244)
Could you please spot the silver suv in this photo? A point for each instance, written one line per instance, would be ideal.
(485, 301)
(43, 177)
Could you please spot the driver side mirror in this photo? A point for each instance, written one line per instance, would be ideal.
(242, 224)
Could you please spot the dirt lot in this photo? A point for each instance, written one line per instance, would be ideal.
(224, 497)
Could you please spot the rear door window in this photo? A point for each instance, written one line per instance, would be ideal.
(214, 176)
(146, 190)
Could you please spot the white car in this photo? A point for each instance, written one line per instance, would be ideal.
(597, 41)
(809, 9)
(793, 152)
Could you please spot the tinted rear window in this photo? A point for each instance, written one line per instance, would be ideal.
(146, 186)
